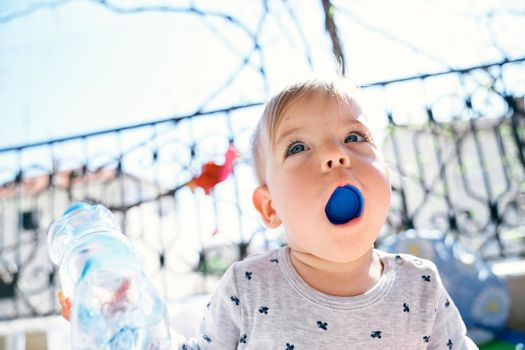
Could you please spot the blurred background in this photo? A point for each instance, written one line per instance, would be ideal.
(122, 102)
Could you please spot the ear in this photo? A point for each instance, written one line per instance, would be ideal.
(262, 201)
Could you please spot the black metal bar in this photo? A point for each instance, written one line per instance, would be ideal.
(447, 72)
(174, 119)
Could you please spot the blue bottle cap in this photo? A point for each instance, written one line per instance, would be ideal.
(345, 204)
(74, 206)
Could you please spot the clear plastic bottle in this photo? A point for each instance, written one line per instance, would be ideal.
(115, 307)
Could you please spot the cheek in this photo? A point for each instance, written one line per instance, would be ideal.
(290, 193)
(292, 196)
(292, 177)
(380, 186)
(381, 170)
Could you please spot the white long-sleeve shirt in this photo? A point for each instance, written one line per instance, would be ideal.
(262, 303)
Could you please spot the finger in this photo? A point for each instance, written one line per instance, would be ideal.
(63, 300)
(65, 304)
(65, 312)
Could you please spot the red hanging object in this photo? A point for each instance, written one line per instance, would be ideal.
(213, 173)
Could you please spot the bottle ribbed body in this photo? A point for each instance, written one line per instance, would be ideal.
(115, 306)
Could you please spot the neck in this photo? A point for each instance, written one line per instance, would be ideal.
(338, 279)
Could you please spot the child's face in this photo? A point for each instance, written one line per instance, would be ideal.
(322, 144)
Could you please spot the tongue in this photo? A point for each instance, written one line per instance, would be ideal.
(345, 204)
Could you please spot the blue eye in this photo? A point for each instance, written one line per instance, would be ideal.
(354, 138)
(295, 147)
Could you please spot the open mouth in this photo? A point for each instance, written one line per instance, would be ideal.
(345, 204)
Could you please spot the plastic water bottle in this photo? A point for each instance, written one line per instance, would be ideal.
(115, 307)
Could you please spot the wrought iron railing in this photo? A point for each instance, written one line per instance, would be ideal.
(462, 168)
(454, 141)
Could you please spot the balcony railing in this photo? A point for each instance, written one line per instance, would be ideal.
(454, 141)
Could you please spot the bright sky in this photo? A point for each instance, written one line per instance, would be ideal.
(80, 67)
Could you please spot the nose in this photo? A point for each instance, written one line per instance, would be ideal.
(335, 156)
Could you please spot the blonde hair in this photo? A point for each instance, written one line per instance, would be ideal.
(337, 89)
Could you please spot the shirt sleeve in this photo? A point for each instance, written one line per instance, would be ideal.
(220, 327)
(449, 330)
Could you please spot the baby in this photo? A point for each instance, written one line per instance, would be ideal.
(328, 288)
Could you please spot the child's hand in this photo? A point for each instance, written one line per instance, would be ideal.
(113, 305)
(65, 304)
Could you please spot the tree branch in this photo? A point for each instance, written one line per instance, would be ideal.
(331, 28)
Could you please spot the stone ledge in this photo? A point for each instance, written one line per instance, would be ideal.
(513, 271)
